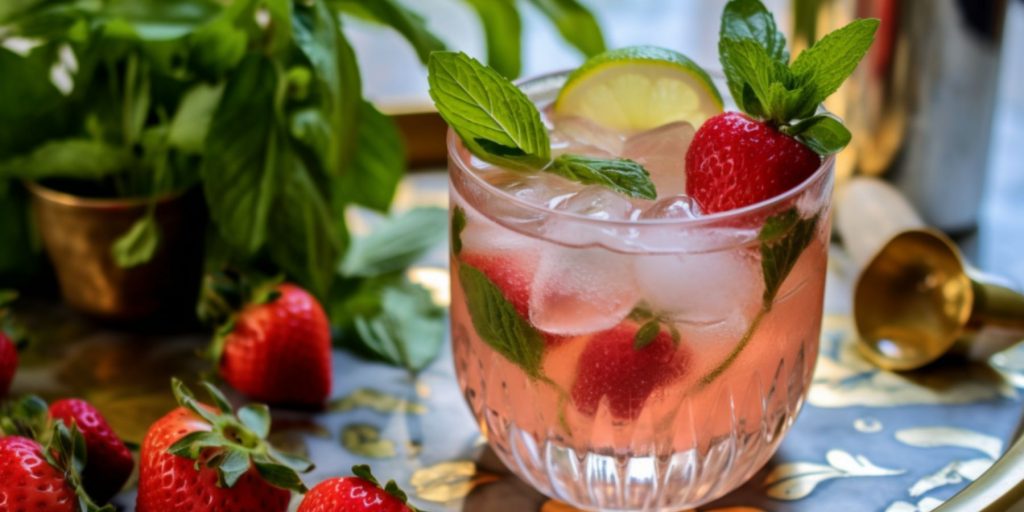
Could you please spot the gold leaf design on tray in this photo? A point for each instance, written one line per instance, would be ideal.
(797, 480)
(867, 425)
(366, 441)
(843, 378)
(448, 481)
(376, 400)
(955, 472)
(935, 437)
(925, 505)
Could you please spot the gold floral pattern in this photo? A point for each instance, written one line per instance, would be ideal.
(797, 480)
(449, 481)
(379, 401)
(366, 441)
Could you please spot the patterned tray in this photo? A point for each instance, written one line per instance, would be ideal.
(866, 439)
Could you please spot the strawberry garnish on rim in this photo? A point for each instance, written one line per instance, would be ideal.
(735, 159)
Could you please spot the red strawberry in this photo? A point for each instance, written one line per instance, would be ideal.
(28, 482)
(8, 363)
(108, 461)
(199, 457)
(513, 277)
(612, 367)
(279, 349)
(360, 493)
(735, 161)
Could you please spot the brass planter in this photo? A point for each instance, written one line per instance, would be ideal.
(78, 233)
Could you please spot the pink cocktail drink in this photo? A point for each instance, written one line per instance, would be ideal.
(642, 357)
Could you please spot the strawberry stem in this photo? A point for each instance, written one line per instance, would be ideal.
(734, 354)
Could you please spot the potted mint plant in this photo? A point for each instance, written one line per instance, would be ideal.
(142, 129)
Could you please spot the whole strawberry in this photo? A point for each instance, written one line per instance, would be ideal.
(624, 366)
(201, 457)
(28, 482)
(736, 160)
(108, 461)
(44, 478)
(360, 493)
(277, 347)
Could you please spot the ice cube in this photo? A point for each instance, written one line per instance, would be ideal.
(599, 203)
(672, 207)
(578, 135)
(662, 151)
(701, 289)
(579, 291)
(481, 234)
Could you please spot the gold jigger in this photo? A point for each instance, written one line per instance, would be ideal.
(917, 300)
(915, 297)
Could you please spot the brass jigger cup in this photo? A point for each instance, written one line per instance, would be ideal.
(916, 299)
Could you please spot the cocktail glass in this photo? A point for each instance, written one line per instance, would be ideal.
(631, 363)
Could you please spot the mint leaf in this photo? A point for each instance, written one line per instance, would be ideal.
(138, 245)
(576, 24)
(832, 59)
(621, 175)
(751, 72)
(396, 243)
(373, 175)
(408, 330)
(749, 19)
(494, 119)
(498, 324)
(68, 158)
(503, 31)
(458, 224)
(823, 134)
(783, 238)
(646, 334)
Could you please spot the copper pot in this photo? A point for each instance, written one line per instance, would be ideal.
(78, 233)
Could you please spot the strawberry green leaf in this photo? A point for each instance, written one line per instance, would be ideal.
(234, 464)
(823, 134)
(621, 175)
(294, 462)
(363, 471)
(279, 475)
(221, 401)
(393, 489)
(494, 119)
(749, 19)
(646, 334)
(832, 59)
(186, 399)
(256, 417)
(783, 239)
(191, 444)
(498, 324)
(458, 224)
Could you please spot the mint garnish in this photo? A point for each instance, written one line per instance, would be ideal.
(765, 85)
(498, 324)
(500, 125)
(621, 175)
(458, 224)
(651, 325)
(783, 238)
(494, 119)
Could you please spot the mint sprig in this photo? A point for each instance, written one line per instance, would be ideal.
(765, 85)
(498, 324)
(783, 238)
(500, 125)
